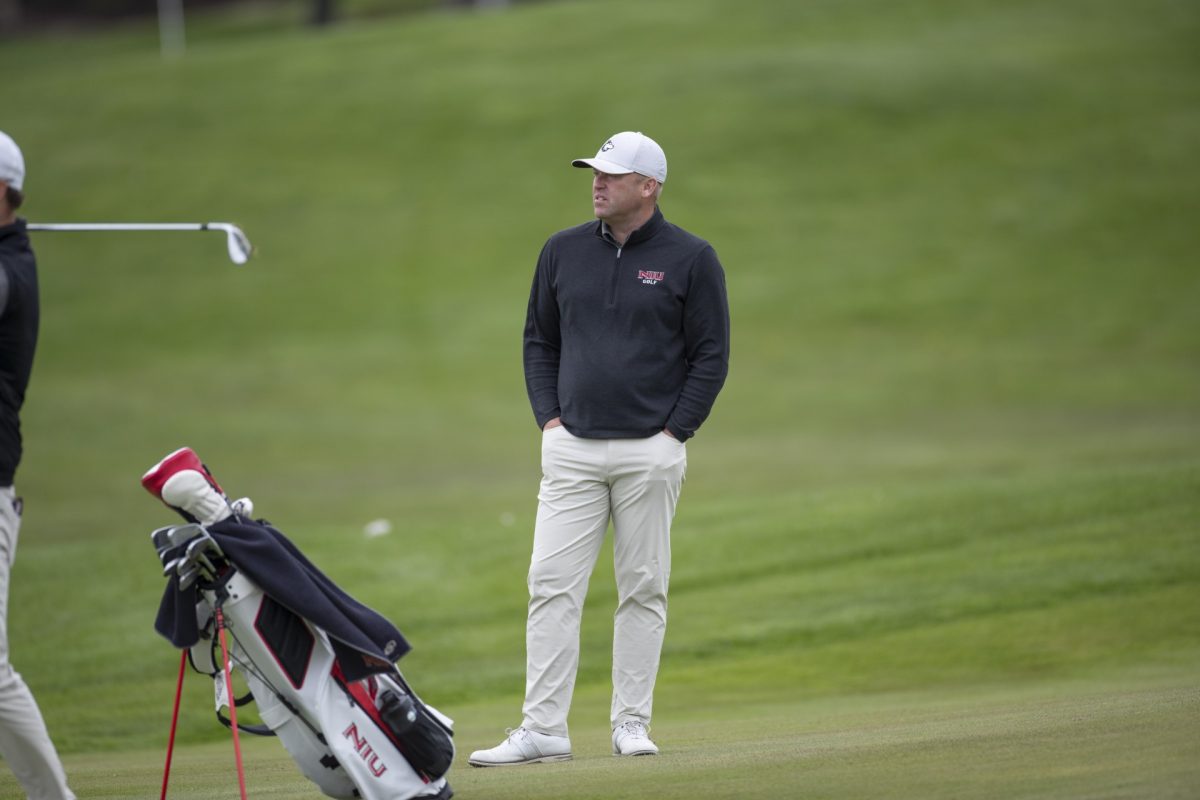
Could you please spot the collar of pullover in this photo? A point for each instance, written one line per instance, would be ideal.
(643, 233)
(14, 230)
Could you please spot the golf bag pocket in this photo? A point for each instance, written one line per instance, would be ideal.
(428, 747)
(303, 743)
(420, 733)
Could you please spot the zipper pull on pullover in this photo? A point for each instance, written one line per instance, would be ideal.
(616, 276)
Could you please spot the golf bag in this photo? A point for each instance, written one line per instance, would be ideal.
(319, 665)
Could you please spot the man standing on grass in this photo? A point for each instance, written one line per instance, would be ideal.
(24, 743)
(626, 348)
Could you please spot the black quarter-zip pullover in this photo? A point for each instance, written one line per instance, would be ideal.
(18, 339)
(623, 341)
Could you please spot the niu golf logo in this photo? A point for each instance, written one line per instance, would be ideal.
(364, 749)
(650, 277)
(607, 146)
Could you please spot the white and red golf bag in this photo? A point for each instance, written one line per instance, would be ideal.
(320, 666)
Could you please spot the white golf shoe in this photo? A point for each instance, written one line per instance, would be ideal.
(523, 746)
(632, 738)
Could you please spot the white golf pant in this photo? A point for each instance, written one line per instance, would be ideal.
(24, 742)
(586, 482)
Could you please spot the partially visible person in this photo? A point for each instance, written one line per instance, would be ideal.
(24, 742)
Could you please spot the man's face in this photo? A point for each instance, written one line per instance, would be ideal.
(616, 196)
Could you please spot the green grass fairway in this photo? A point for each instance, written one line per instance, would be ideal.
(1133, 737)
(941, 535)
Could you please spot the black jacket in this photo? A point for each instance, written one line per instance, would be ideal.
(623, 341)
(364, 642)
(19, 311)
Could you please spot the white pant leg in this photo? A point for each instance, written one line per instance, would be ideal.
(573, 513)
(647, 477)
(24, 742)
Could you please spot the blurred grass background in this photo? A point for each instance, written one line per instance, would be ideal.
(957, 459)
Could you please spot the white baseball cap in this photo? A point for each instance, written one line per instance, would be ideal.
(626, 152)
(12, 164)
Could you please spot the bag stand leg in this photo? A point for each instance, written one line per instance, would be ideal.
(174, 722)
(237, 745)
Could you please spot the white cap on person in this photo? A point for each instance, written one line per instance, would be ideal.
(12, 163)
(629, 151)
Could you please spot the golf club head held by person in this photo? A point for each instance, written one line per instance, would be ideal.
(626, 347)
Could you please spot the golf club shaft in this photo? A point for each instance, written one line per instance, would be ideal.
(127, 226)
(238, 245)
